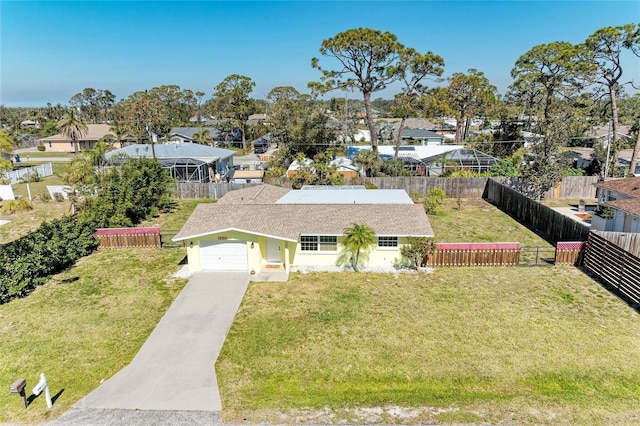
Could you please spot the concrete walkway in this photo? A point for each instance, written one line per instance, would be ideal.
(174, 369)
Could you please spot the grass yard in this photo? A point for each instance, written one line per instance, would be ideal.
(468, 345)
(173, 221)
(86, 323)
(477, 221)
(83, 326)
(21, 223)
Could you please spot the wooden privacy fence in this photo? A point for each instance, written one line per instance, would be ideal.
(570, 252)
(475, 254)
(552, 225)
(626, 241)
(613, 265)
(197, 190)
(129, 237)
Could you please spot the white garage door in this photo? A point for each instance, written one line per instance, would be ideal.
(223, 256)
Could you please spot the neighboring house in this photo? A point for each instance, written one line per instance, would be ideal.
(95, 132)
(460, 159)
(187, 162)
(252, 233)
(582, 158)
(30, 124)
(247, 176)
(344, 167)
(256, 119)
(414, 156)
(421, 137)
(619, 204)
(185, 134)
(362, 135)
(604, 134)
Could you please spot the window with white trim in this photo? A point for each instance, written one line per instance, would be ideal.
(387, 242)
(318, 243)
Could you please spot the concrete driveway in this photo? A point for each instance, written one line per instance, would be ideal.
(174, 369)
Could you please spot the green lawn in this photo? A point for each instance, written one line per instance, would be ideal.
(86, 323)
(83, 326)
(478, 221)
(469, 345)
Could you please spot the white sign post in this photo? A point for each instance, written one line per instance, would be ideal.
(42, 385)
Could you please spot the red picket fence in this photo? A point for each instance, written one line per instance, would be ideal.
(570, 252)
(129, 237)
(475, 254)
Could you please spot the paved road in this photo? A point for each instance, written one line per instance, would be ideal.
(172, 376)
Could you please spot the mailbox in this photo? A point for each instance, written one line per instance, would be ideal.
(18, 386)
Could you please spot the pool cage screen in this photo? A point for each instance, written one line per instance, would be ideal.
(188, 169)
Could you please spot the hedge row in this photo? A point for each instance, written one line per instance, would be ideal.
(29, 261)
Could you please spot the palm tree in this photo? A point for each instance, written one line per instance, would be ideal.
(359, 239)
(79, 173)
(73, 128)
(366, 159)
(202, 137)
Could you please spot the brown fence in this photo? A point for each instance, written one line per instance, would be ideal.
(453, 187)
(550, 224)
(475, 254)
(613, 265)
(574, 187)
(129, 237)
(197, 190)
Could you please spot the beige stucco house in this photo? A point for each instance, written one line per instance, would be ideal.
(95, 132)
(269, 228)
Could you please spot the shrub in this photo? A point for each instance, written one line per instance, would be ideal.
(434, 200)
(29, 261)
(59, 197)
(418, 250)
(45, 197)
(41, 148)
(15, 206)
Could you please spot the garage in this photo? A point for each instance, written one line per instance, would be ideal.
(223, 256)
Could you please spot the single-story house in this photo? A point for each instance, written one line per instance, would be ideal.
(247, 176)
(187, 162)
(582, 158)
(421, 137)
(253, 233)
(186, 134)
(414, 156)
(619, 206)
(95, 132)
(344, 167)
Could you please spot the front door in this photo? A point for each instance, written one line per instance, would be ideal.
(273, 251)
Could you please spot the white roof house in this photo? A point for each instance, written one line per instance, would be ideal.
(265, 229)
(345, 195)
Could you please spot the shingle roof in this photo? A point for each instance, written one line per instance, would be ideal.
(419, 134)
(629, 205)
(628, 186)
(289, 221)
(190, 131)
(259, 194)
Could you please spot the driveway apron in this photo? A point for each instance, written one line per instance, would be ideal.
(174, 369)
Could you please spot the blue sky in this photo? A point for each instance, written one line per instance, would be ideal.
(51, 50)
